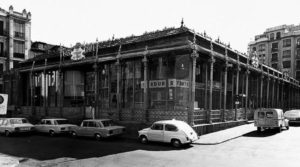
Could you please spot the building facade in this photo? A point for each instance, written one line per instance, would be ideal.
(166, 74)
(279, 47)
(15, 39)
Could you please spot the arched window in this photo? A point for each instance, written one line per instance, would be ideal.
(272, 36)
(278, 35)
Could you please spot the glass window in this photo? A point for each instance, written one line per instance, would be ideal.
(269, 114)
(48, 122)
(272, 36)
(127, 84)
(60, 122)
(278, 35)
(19, 28)
(298, 53)
(254, 49)
(19, 49)
(39, 92)
(286, 54)
(261, 47)
(85, 124)
(274, 47)
(286, 64)
(157, 127)
(113, 85)
(261, 115)
(74, 88)
(274, 57)
(89, 88)
(286, 43)
(169, 127)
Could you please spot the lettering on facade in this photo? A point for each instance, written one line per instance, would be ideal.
(162, 83)
(157, 84)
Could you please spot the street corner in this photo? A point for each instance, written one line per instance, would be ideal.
(6, 161)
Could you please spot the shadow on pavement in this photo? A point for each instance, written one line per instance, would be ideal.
(41, 147)
(265, 133)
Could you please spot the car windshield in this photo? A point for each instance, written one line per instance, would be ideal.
(18, 121)
(107, 123)
(62, 121)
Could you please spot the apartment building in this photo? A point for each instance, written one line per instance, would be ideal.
(15, 39)
(279, 47)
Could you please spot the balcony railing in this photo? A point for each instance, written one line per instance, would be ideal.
(19, 35)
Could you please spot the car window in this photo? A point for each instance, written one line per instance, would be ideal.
(269, 114)
(48, 122)
(62, 121)
(91, 124)
(261, 114)
(5, 122)
(18, 121)
(85, 124)
(1, 121)
(172, 128)
(107, 123)
(157, 127)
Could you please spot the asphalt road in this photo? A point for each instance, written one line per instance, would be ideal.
(253, 149)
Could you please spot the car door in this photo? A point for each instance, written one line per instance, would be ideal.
(83, 130)
(156, 132)
(47, 126)
(171, 132)
(40, 125)
(92, 128)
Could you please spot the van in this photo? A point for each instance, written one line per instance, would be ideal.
(270, 118)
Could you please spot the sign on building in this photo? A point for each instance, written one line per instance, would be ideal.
(3, 104)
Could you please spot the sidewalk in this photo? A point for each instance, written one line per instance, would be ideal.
(225, 135)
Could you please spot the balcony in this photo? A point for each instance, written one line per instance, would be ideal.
(19, 35)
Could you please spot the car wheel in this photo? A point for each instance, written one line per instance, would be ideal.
(51, 133)
(98, 136)
(144, 139)
(176, 143)
(258, 129)
(73, 134)
(7, 133)
(279, 129)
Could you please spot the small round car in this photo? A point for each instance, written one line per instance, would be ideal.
(169, 131)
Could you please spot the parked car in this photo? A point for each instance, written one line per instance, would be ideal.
(10, 126)
(293, 116)
(54, 126)
(270, 118)
(169, 131)
(97, 128)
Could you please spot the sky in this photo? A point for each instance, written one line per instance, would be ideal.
(236, 22)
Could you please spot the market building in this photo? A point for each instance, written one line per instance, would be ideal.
(165, 74)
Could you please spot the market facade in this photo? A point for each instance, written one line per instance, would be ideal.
(172, 73)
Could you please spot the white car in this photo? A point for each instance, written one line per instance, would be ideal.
(169, 131)
(97, 128)
(293, 116)
(54, 126)
(10, 126)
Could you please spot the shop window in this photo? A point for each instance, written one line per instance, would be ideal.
(201, 76)
(127, 84)
(298, 75)
(298, 64)
(169, 82)
(52, 78)
(286, 43)
(113, 86)
(298, 53)
(73, 88)
(2, 49)
(104, 87)
(286, 64)
(286, 54)
(90, 88)
(38, 89)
